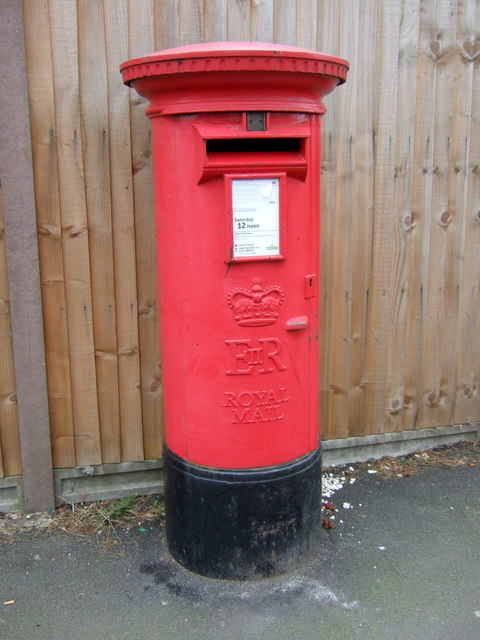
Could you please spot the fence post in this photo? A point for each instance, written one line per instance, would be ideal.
(16, 175)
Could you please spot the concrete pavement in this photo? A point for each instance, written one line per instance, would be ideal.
(403, 562)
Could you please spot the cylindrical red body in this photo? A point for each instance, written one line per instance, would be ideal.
(236, 144)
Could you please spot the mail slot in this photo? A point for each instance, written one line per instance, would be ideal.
(236, 161)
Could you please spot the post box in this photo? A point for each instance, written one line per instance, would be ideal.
(236, 162)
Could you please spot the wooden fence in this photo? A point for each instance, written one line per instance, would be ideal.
(400, 215)
(9, 437)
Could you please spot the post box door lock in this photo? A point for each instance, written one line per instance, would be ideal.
(310, 284)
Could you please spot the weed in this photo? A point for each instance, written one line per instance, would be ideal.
(118, 509)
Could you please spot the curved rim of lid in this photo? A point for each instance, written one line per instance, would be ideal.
(234, 49)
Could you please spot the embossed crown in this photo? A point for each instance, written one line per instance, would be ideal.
(257, 306)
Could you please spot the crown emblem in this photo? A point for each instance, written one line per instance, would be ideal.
(257, 306)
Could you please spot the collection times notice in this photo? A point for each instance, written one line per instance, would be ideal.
(256, 217)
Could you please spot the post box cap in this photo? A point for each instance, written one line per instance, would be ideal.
(233, 75)
(234, 56)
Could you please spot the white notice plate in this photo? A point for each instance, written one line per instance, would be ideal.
(256, 217)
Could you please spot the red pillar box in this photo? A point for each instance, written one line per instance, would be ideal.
(236, 160)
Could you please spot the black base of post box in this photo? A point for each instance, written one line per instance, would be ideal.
(243, 524)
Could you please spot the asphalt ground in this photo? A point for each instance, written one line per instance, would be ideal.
(402, 563)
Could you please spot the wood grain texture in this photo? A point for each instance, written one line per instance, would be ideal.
(463, 258)
(10, 456)
(341, 235)
(380, 293)
(64, 30)
(22, 266)
(166, 22)
(141, 39)
(284, 15)
(190, 20)
(328, 32)
(401, 353)
(441, 51)
(261, 20)
(306, 23)
(123, 232)
(400, 298)
(365, 62)
(49, 224)
(97, 158)
(215, 20)
(238, 20)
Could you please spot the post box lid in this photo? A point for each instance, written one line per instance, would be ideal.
(234, 56)
(234, 75)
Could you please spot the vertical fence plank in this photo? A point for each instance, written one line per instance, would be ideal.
(399, 405)
(439, 48)
(6, 356)
(364, 65)
(64, 31)
(190, 21)
(215, 20)
(124, 235)
(10, 460)
(45, 166)
(283, 19)
(141, 41)
(261, 20)
(379, 293)
(438, 394)
(238, 20)
(23, 265)
(462, 275)
(165, 22)
(341, 236)
(328, 20)
(468, 371)
(450, 218)
(94, 105)
(306, 23)
(419, 222)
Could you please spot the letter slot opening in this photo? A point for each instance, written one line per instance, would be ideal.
(260, 155)
(254, 145)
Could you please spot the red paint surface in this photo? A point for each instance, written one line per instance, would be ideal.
(239, 336)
